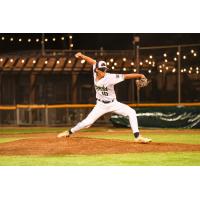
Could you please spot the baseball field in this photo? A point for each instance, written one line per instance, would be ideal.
(98, 147)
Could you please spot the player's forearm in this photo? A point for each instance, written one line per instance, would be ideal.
(134, 75)
(86, 58)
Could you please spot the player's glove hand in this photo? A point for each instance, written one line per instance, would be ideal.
(78, 55)
(143, 82)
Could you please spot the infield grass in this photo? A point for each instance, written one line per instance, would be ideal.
(132, 159)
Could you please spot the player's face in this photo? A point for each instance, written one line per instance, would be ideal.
(100, 73)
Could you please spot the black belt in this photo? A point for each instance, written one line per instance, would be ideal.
(105, 101)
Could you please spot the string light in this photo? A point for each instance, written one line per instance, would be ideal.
(177, 53)
(71, 45)
(113, 67)
(160, 71)
(111, 60)
(153, 64)
(190, 72)
(195, 54)
(124, 59)
(124, 69)
(69, 61)
(62, 38)
(182, 70)
(175, 59)
(135, 70)
(11, 39)
(11, 60)
(146, 61)
(22, 60)
(184, 57)
(165, 55)
(46, 39)
(166, 60)
(132, 63)
(108, 63)
(3, 38)
(20, 39)
(54, 39)
(1, 59)
(150, 56)
(29, 40)
(70, 37)
(37, 40)
(167, 68)
(149, 71)
(58, 62)
(192, 51)
(141, 63)
(160, 66)
(34, 61)
(191, 68)
(46, 62)
(115, 64)
(174, 70)
(149, 62)
(197, 68)
(197, 72)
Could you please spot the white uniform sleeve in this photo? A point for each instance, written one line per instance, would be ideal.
(116, 78)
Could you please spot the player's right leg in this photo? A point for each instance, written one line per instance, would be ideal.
(97, 112)
(125, 110)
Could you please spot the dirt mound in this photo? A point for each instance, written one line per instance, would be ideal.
(85, 146)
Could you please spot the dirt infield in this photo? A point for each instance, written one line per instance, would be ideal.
(48, 144)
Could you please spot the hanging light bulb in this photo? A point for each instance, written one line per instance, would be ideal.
(124, 59)
(34, 61)
(29, 40)
(112, 67)
(160, 71)
(141, 63)
(20, 39)
(107, 63)
(111, 60)
(70, 37)
(11, 39)
(115, 64)
(37, 40)
(11, 60)
(46, 39)
(46, 62)
(58, 62)
(124, 69)
(1, 59)
(177, 53)
(195, 54)
(166, 60)
(174, 70)
(150, 56)
(192, 51)
(62, 38)
(149, 71)
(165, 55)
(184, 57)
(132, 63)
(71, 45)
(135, 70)
(2, 38)
(69, 61)
(54, 39)
(22, 60)
(175, 59)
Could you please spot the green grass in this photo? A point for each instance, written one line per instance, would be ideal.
(132, 159)
(42, 130)
(172, 138)
(3, 140)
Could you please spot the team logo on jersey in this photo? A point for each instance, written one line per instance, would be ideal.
(98, 88)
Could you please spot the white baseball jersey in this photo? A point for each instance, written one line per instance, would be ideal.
(105, 86)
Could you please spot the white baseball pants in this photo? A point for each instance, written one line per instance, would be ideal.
(102, 108)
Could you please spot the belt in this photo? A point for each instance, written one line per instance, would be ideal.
(105, 101)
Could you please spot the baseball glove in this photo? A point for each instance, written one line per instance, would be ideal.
(143, 82)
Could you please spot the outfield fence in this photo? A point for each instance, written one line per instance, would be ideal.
(63, 115)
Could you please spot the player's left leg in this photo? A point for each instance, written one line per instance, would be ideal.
(96, 113)
(125, 110)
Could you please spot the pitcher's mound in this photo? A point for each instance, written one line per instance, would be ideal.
(86, 146)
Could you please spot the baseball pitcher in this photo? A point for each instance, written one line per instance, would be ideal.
(106, 98)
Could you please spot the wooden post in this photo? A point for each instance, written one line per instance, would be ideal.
(32, 95)
(46, 116)
(17, 116)
(74, 88)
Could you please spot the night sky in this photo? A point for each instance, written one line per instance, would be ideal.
(93, 41)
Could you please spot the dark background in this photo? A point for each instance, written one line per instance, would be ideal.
(93, 41)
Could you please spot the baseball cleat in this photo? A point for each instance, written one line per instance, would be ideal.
(142, 140)
(63, 134)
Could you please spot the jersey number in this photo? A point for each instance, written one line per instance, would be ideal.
(105, 93)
